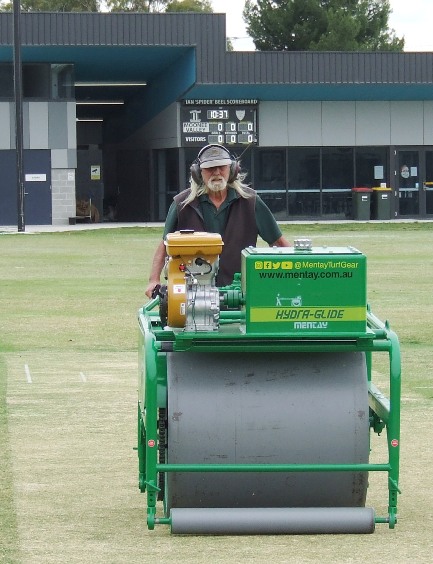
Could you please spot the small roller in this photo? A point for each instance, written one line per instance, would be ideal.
(272, 520)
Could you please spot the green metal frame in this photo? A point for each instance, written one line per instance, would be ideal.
(156, 342)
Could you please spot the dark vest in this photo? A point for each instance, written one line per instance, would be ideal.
(240, 230)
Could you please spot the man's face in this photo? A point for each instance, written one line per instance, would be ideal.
(216, 177)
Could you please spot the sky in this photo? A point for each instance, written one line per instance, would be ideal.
(412, 19)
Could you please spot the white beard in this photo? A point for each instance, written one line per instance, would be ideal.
(217, 184)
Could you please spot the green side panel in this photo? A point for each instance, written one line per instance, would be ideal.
(317, 291)
(152, 365)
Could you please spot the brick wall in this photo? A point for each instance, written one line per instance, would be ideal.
(63, 195)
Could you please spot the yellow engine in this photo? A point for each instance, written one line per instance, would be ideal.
(193, 299)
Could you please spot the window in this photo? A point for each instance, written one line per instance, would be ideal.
(337, 168)
(271, 167)
(40, 80)
(371, 166)
(304, 182)
(36, 81)
(6, 81)
(337, 181)
(62, 81)
(270, 180)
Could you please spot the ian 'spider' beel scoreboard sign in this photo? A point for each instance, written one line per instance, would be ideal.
(228, 122)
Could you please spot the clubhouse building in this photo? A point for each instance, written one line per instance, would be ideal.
(117, 106)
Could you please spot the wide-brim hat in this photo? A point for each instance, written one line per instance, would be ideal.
(214, 156)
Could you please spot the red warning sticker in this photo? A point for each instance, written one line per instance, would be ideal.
(151, 443)
(394, 442)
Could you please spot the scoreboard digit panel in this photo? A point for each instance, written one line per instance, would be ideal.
(234, 124)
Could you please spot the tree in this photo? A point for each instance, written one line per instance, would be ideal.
(189, 6)
(54, 6)
(321, 25)
(136, 5)
(113, 5)
(159, 5)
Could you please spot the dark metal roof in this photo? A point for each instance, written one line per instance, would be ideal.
(80, 28)
(330, 67)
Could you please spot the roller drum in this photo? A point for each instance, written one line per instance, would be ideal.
(274, 408)
(276, 520)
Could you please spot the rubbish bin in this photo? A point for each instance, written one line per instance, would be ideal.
(381, 202)
(361, 201)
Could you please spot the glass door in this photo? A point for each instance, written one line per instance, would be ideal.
(415, 182)
(408, 182)
(427, 186)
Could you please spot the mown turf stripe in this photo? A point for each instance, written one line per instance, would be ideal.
(8, 519)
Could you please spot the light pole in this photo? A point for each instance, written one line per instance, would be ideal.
(18, 92)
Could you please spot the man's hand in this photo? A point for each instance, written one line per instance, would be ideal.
(150, 288)
(281, 242)
(157, 266)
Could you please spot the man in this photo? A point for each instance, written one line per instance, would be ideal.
(219, 202)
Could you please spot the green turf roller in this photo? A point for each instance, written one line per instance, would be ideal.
(275, 520)
(256, 400)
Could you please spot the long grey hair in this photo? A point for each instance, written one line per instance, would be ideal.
(200, 189)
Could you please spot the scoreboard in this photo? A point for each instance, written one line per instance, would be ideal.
(230, 122)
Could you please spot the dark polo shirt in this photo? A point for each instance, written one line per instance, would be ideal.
(238, 220)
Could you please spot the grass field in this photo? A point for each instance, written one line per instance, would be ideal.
(68, 381)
